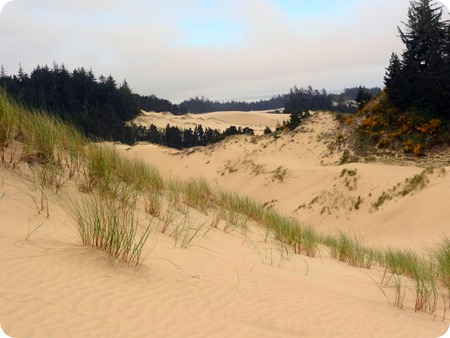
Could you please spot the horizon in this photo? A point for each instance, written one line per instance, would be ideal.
(236, 50)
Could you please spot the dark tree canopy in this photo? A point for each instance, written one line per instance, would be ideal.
(98, 107)
(175, 137)
(420, 80)
(352, 92)
(362, 96)
(153, 103)
(304, 99)
(198, 105)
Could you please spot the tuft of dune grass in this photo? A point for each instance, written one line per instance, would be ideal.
(442, 256)
(111, 228)
(34, 135)
(350, 249)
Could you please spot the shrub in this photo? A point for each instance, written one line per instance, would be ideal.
(267, 131)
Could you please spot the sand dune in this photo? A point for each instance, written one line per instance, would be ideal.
(224, 284)
(258, 120)
(307, 169)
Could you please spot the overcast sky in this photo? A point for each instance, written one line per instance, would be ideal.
(221, 49)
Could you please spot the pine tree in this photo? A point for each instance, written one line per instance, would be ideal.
(21, 74)
(421, 78)
(394, 82)
(3, 72)
(362, 96)
(445, 100)
(188, 138)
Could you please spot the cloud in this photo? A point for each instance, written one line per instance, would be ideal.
(221, 49)
(3, 3)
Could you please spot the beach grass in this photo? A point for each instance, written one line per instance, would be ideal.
(421, 271)
(350, 249)
(114, 230)
(442, 256)
(36, 136)
(186, 230)
(198, 194)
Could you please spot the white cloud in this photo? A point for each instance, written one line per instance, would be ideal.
(148, 43)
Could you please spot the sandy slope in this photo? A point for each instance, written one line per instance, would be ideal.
(308, 158)
(223, 285)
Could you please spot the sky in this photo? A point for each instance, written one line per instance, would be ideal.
(220, 49)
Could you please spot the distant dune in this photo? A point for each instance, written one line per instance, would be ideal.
(257, 120)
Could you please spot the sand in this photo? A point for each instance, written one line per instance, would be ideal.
(257, 120)
(223, 284)
(309, 159)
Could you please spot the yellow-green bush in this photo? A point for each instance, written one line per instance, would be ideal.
(387, 127)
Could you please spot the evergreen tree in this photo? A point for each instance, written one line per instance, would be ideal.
(188, 138)
(231, 130)
(154, 135)
(394, 81)
(302, 99)
(173, 137)
(296, 118)
(199, 135)
(3, 73)
(213, 136)
(21, 74)
(421, 80)
(445, 100)
(362, 96)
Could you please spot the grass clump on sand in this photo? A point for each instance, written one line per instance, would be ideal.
(36, 137)
(198, 194)
(442, 256)
(106, 167)
(421, 274)
(287, 230)
(351, 250)
(111, 228)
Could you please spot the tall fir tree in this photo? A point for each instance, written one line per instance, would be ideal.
(421, 80)
(394, 81)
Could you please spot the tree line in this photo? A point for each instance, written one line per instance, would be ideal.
(179, 138)
(102, 109)
(198, 105)
(298, 99)
(156, 104)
